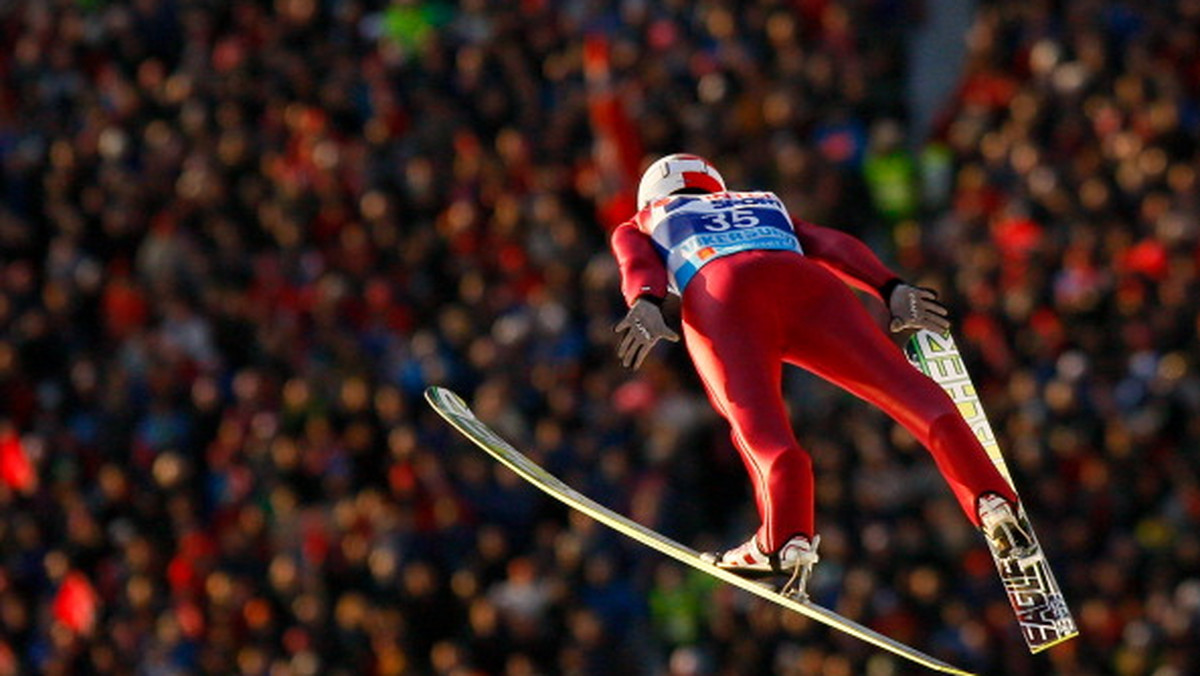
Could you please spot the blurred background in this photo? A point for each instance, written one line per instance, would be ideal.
(240, 237)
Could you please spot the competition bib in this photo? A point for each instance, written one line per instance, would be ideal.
(692, 230)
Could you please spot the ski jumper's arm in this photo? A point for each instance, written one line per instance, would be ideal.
(642, 271)
(848, 257)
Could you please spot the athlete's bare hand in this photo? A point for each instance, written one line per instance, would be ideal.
(643, 326)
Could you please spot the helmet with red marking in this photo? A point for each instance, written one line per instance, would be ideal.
(678, 173)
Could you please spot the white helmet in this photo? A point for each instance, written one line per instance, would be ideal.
(673, 173)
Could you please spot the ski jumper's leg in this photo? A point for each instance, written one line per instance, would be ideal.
(829, 332)
(732, 331)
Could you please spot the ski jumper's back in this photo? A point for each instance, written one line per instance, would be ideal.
(663, 246)
(692, 230)
(756, 292)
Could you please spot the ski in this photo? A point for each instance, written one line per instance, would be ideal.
(455, 411)
(1032, 590)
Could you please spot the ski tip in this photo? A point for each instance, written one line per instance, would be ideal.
(436, 394)
(432, 393)
(447, 403)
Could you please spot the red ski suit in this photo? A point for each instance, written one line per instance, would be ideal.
(759, 290)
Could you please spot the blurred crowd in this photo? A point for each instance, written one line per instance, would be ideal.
(240, 238)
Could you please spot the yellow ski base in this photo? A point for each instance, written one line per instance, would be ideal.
(1061, 639)
(451, 407)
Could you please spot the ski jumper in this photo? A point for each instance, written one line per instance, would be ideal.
(759, 290)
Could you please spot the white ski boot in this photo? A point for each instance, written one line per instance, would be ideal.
(1007, 534)
(795, 559)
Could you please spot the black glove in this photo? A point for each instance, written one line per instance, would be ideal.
(917, 308)
(643, 326)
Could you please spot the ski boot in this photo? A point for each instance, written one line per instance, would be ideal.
(794, 559)
(1007, 534)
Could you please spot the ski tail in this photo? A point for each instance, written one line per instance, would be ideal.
(1032, 589)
